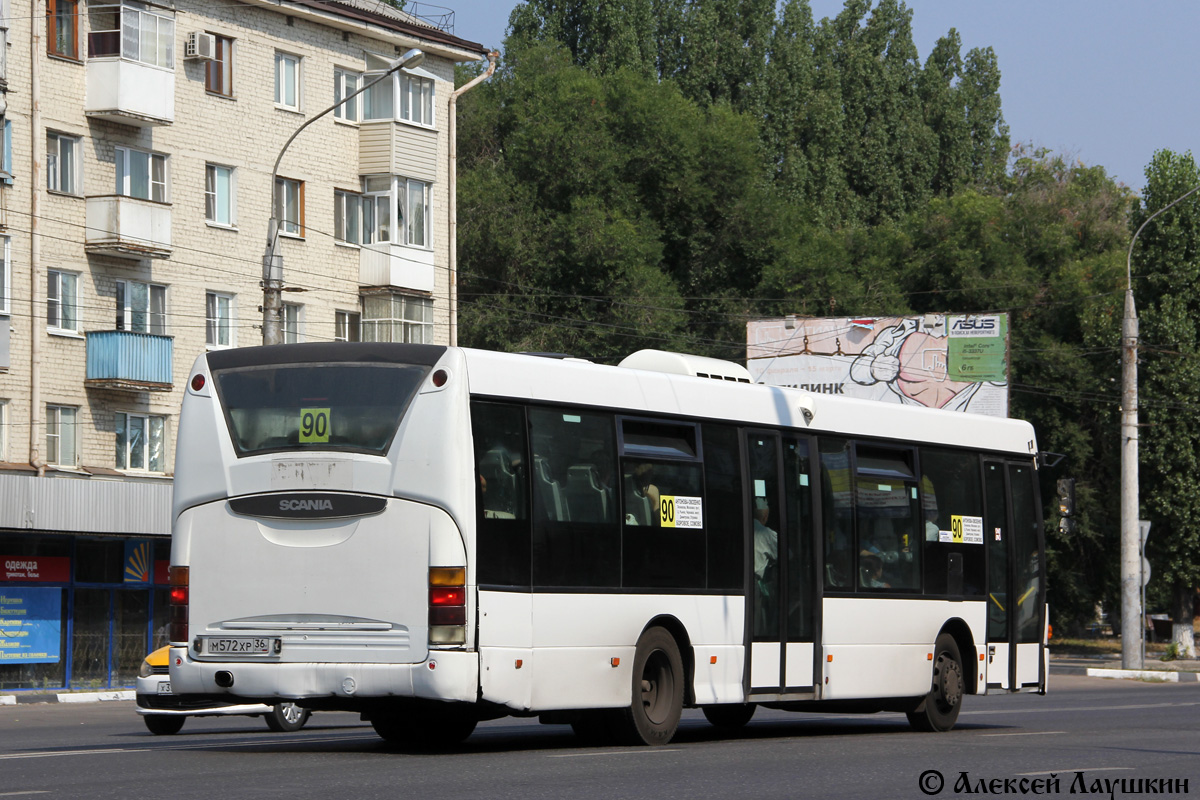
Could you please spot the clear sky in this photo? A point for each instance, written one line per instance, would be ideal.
(1105, 82)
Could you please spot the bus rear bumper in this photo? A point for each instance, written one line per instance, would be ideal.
(444, 675)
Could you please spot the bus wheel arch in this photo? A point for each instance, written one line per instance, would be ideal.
(673, 626)
(961, 632)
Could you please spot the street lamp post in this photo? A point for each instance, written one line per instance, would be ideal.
(1133, 627)
(272, 269)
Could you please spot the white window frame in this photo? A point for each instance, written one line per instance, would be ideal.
(62, 301)
(349, 224)
(62, 162)
(387, 200)
(399, 318)
(347, 326)
(417, 95)
(60, 442)
(287, 191)
(6, 276)
(147, 317)
(215, 321)
(220, 67)
(213, 195)
(3, 429)
(288, 65)
(346, 82)
(291, 322)
(157, 174)
(140, 28)
(126, 455)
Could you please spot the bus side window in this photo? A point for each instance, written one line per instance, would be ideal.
(837, 498)
(501, 495)
(950, 487)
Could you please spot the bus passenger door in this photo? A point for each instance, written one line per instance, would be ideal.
(1016, 591)
(782, 616)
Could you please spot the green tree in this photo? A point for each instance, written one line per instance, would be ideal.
(1167, 263)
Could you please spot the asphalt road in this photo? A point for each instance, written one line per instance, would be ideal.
(1104, 730)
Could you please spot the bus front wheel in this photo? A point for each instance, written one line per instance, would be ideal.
(939, 710)
(657, 700)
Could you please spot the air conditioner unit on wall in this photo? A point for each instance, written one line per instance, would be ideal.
(201, 46)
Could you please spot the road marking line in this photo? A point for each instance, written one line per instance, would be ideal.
(30, 791)
(1084, 769)
(616, 753)
(1029, 733)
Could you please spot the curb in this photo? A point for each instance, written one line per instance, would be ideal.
(1160, 676)
(67, 697)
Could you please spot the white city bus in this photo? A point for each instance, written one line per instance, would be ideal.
(433, 536)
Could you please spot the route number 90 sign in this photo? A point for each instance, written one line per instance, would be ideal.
(314, 425)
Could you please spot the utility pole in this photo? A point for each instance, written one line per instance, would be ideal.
(1133, 621)
(272, 270)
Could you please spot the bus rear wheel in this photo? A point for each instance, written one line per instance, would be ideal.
(426, 728)
(939, 710)
(657, 699)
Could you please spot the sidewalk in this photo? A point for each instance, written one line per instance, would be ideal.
(65, 697)
(1108, 666)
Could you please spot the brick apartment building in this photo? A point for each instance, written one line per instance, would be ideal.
(135, 193)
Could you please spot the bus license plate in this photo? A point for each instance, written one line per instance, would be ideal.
(256, 646)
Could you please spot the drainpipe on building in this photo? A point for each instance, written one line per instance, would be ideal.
(37, 155)
(492, 56)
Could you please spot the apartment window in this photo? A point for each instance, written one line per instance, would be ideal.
(5, 278)
(3, 430)
(62, 28)
(61, 437)
(293, 320)
(396, 210)
(379, 102)
(141, 307)
(287, 81)
(348, 222)
(414, 212)
(346, 83)
(62, 163)
(218, 319)
(141, 442)
(6, 168)
(133, 31)
(416, 99)
(219, 194)
(62, 301)
(397, 318)
(289, 206)
(346, 326)
(218, 75)
(141, 174)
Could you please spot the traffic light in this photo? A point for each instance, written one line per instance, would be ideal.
(1066, 504)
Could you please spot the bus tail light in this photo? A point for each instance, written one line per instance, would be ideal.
(447, 605)
(177, 599)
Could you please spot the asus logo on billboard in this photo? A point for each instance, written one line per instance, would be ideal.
(308, 505)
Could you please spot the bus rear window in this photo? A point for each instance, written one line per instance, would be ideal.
(346, 406)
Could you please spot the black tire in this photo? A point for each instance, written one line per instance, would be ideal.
(286, 717)
(939, 710)
(426, 728)
(164, 724)
(656, 702)
(730, 717)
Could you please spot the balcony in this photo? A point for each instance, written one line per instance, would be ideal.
(385, 264)
(138, 362)
(129, 93)
(128, 227)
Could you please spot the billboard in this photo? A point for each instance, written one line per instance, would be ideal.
(957, 362)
